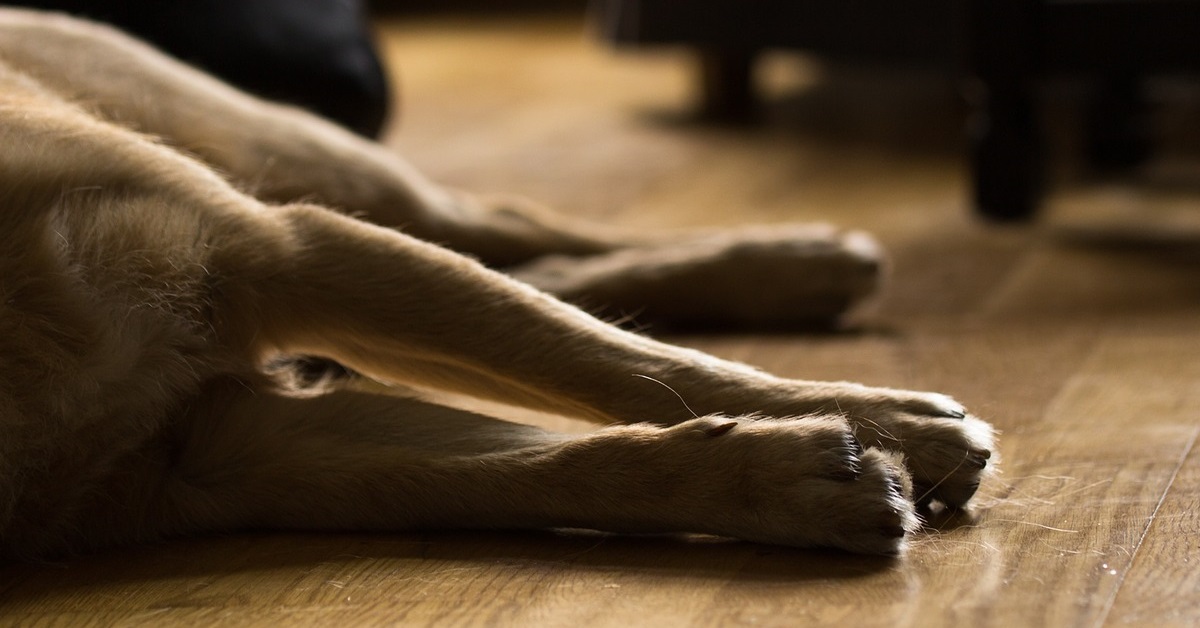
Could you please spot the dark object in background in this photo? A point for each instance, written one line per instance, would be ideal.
(316, 54)
(1008, 46)
(730, 36)
(1116, 44)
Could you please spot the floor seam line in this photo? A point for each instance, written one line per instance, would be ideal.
(1112, 599)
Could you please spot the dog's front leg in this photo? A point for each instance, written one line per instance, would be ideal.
(319, 283)
(398, 308)
(354, 461)
(401, 309)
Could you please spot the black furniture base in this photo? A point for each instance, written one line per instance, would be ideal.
(1005, 46)
(317, 54)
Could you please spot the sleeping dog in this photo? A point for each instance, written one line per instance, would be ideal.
(164, 238)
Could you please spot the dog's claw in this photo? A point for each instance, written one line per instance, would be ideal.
(945, 407)
(718, 430)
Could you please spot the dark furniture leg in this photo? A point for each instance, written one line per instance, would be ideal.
(1006, 142)
(1006, 154)
(1118, 125)
(727, 84)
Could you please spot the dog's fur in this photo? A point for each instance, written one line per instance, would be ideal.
(154, 257)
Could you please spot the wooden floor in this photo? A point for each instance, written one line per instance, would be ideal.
(1078, 337)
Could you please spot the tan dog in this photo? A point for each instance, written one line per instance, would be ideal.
(153, 259)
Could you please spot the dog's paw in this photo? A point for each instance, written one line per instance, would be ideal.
(779, 276)
(787, 273)
(804, 482)
(946, 450)
(947, 458)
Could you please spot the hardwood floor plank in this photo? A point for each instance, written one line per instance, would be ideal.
(1162, 586)
(1086, 480)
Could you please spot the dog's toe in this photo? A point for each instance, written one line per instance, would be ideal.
(876, 513)
(949, 458)
(808, 482)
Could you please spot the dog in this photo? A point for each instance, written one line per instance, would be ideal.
(164, 239)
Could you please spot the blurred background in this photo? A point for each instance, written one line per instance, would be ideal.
(1031, 94)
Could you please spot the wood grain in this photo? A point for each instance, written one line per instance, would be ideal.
(1078, 336)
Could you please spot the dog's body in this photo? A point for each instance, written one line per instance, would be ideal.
(141, 293)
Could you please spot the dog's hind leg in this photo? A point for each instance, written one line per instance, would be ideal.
(274, 152)
(280, 154)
